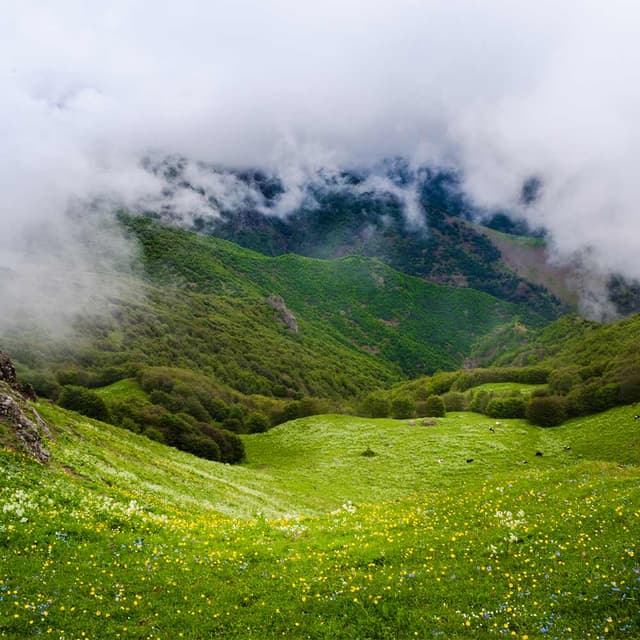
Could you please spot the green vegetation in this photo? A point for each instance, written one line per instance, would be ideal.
(434, 406)
(233, 327)
(334, 527)
(591, 367)
(452, 251)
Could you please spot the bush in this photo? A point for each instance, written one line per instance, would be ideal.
(525, 375)
(434, 407)
(442, 381)
(201, 446)
(44, 384)
(546, 412)
(231, 447)
(154, 434)
(479, 401)
(256, 422)
(233, 424)
(455, 401)
(84, 401)
(507, 407)
(563, 380)
(376, 405)
(217, 408)
(592, 397)
(73, 377)
(153, 379)
(629, 389)
(403, 408)
(158, 396)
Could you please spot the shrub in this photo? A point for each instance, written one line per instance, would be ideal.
(629, 389)
(593, 397)
(201, 446)
(231, 447)
(479, 401)
(154, 434)
(175, 428)
(507, 407)
(455, 401)
(84, 401)
(442, 381)
(434, 407)
(233, 424)
(217, 408)
(73, 377)
(546, 412)
(256, 422)
(376, 405)
(562, 381)
(290, 411)
(158, 396)
(193, 407)
(44, 384)
(403, 408)
(153, 379)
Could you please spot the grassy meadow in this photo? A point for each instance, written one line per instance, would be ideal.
(335, 527)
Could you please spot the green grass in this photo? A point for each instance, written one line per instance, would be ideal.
(507, 388)
(122, 390)
(121, 537)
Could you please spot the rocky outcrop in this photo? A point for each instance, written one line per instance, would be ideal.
(285, 315)
(26, 427)
(7, 370)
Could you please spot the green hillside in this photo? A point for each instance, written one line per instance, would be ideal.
(287, 326)
(529, 258)
(122, 537)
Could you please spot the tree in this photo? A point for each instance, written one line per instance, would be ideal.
(434, 407)
(403, 408)
(546, 412)
(507, 407)
(455, 401)
(256, 422)
(376, 405)
(85, 402)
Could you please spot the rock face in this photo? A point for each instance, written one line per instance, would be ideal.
(285, 315)
(26, 427)
(7, 370)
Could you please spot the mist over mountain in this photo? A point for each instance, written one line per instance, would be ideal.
(531, 106)
(417, 220)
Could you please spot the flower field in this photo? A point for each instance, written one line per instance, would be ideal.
(123, 538)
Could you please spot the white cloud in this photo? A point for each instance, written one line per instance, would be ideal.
(505, 90)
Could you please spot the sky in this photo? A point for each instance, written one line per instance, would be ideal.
(500, 90)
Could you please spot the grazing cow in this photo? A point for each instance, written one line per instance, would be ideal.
(539, 454)
(492, 430)
(469, 459)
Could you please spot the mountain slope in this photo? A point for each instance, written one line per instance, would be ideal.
(448, 250)
(276, 326)
(415, 220)
(122, 536)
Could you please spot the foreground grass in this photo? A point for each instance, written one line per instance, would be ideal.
(123, 538)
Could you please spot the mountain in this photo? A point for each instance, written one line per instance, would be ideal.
(416, 221)
(215, 336)
(288, 325)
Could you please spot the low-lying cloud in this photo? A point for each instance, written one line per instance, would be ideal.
(501, 91)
